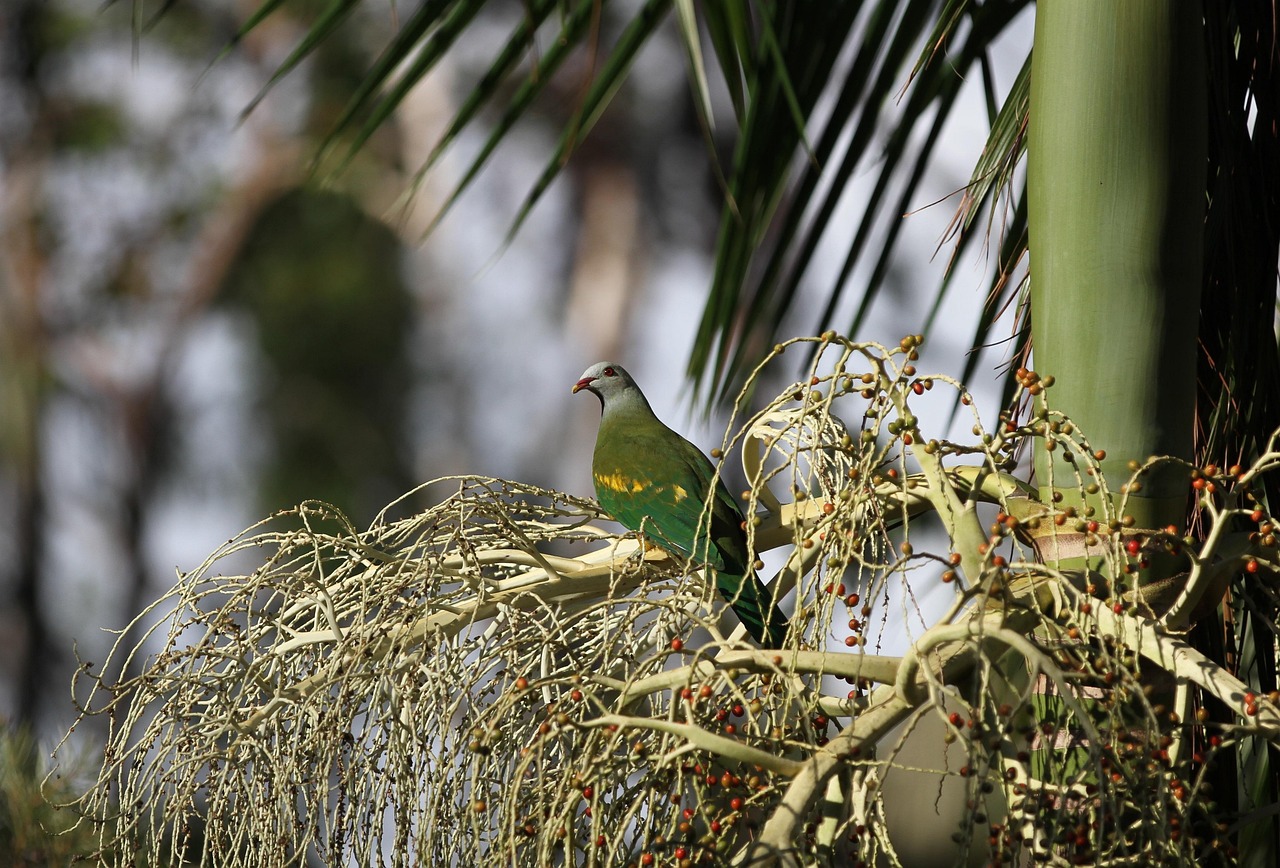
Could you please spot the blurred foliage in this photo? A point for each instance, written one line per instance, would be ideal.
(89, 127)
(323, 282)
(33, 832)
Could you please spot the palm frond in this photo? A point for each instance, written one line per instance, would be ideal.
(729, 30)
(572, 29)
(431, 14)
(1239, 366)
(757, 284)
(320, 30)
(601, 91)
(697, 66)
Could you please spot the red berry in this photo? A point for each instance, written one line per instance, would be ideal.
(677, 643)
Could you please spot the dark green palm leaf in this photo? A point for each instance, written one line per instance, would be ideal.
(430, 14)
(573, 27)
(743, 314)
(597, 98)
(328, 22)
(1239, 368)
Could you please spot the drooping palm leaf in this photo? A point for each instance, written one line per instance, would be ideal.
(755, 289)
(777, 60)
(787, 252)
(785, 76)
(688, 19)
(320, 30)
(431, 14)
(573, 26)
(1239, 367)
(603, 87)
(1001, 294)
(1002, 153)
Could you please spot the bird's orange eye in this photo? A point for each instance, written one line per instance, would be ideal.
(610, 372)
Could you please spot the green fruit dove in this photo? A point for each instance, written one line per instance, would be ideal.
(650, 479)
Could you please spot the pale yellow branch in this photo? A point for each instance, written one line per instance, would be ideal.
(836, 664)
(719, 745)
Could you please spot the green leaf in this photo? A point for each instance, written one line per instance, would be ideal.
(320, 30)
(697, 68)
(597, 98)
(742, 315)
(447, 28)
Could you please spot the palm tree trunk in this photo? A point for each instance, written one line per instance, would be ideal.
(1116, 180)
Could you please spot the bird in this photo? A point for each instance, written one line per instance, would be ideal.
(653, 481)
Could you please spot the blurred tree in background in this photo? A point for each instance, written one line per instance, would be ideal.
(192, 331)
(811, 95)
(322, 283)
(128, 204)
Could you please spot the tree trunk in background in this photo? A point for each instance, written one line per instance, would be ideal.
(23, 367)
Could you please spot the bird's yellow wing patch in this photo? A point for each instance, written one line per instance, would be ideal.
(620, 483)
(630, 485)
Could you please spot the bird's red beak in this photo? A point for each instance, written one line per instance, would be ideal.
(584, 383)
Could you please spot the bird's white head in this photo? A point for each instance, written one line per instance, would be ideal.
(609, 382)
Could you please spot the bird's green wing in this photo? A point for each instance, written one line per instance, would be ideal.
(736, 582)
(659, 482)
(651, 483)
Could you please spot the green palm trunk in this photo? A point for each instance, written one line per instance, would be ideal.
(1116, 183)
(1116, 191)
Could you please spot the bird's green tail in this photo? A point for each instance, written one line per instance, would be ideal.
(750, 600)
